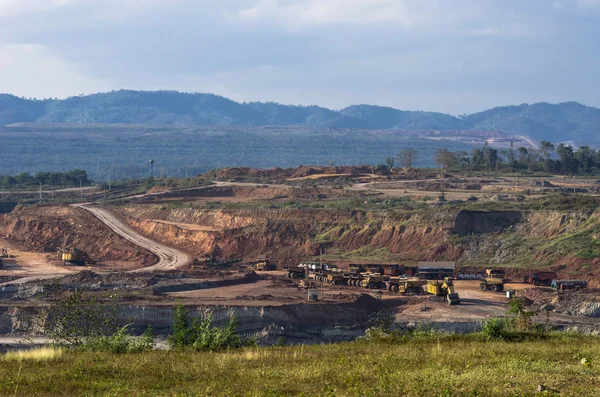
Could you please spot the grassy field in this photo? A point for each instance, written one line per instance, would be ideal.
(435, 366)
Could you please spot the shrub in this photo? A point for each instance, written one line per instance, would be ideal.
(494, 328)
(122, 342)
(201, 334)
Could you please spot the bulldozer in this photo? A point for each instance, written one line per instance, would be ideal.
(374, 281)
(74, 256)
(445, 289)
(405, 285)
(492, 284)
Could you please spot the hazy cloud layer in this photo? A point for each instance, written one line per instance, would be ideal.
(456, 57)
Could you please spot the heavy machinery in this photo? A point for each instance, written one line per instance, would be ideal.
(374, 281)
(445, 289)
(405, 285)
(307, 284)
(492, 284)
(563, 285)
(296, 272)
(336, 278)
(213, 263)
(3, 254)
(495, 273)
(541, 278)
(74, 256)
(263, 265)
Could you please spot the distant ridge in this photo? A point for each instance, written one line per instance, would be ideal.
(568, 121)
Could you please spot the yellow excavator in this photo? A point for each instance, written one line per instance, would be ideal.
(444, 288)
(74, 256)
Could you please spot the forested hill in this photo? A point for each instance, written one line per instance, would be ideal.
(569, 121)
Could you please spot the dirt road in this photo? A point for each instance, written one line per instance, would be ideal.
(169, 258)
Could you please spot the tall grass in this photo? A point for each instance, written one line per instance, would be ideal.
(37, 354)
(439, 365)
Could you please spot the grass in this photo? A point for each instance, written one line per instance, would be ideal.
(37, 354)
(438, 366)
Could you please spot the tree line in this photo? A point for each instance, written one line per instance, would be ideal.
(73, 178)
(560, 159)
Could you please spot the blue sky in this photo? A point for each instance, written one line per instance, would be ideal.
(455, 57)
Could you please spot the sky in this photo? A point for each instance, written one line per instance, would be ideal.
(451, 56)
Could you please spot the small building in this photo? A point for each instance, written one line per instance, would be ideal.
(435, 270)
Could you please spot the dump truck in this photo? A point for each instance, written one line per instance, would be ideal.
(336, 278)
(374, 281)
(492, 284)
(563, 285)
(445, 289)
(541, 278)
(495, 273)
(296, 272)
(404, 285)
(74, 256)
(263, 265)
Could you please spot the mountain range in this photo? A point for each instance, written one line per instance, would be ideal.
(570, 121)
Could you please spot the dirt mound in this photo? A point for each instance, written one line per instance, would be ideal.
(577, 303)
(83, 277)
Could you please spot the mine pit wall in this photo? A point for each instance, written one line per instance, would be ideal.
(297, 233)
(34, 230)
(298, 324)
(474, 238)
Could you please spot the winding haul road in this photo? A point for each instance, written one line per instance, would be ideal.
(168, 258)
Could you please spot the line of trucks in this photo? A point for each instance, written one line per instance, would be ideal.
(380, 277)
(435, 278)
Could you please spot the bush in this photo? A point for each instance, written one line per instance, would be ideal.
(201, 334)
(494, 328)
(122, 342)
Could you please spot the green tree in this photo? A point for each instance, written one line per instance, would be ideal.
(547, 148)
(520, 316)
(523, 155)
(585, 159)
(407, 157)
(569, 163)
(389, 161)
(445, 158)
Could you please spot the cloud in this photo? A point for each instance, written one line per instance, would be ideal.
(455, 56)
(408, 14)
(32, 70)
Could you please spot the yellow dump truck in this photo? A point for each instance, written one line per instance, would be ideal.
(263, 265)
(492, 284)
(374, 281)
(404, 285)
(74, 256)
(443, 288)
